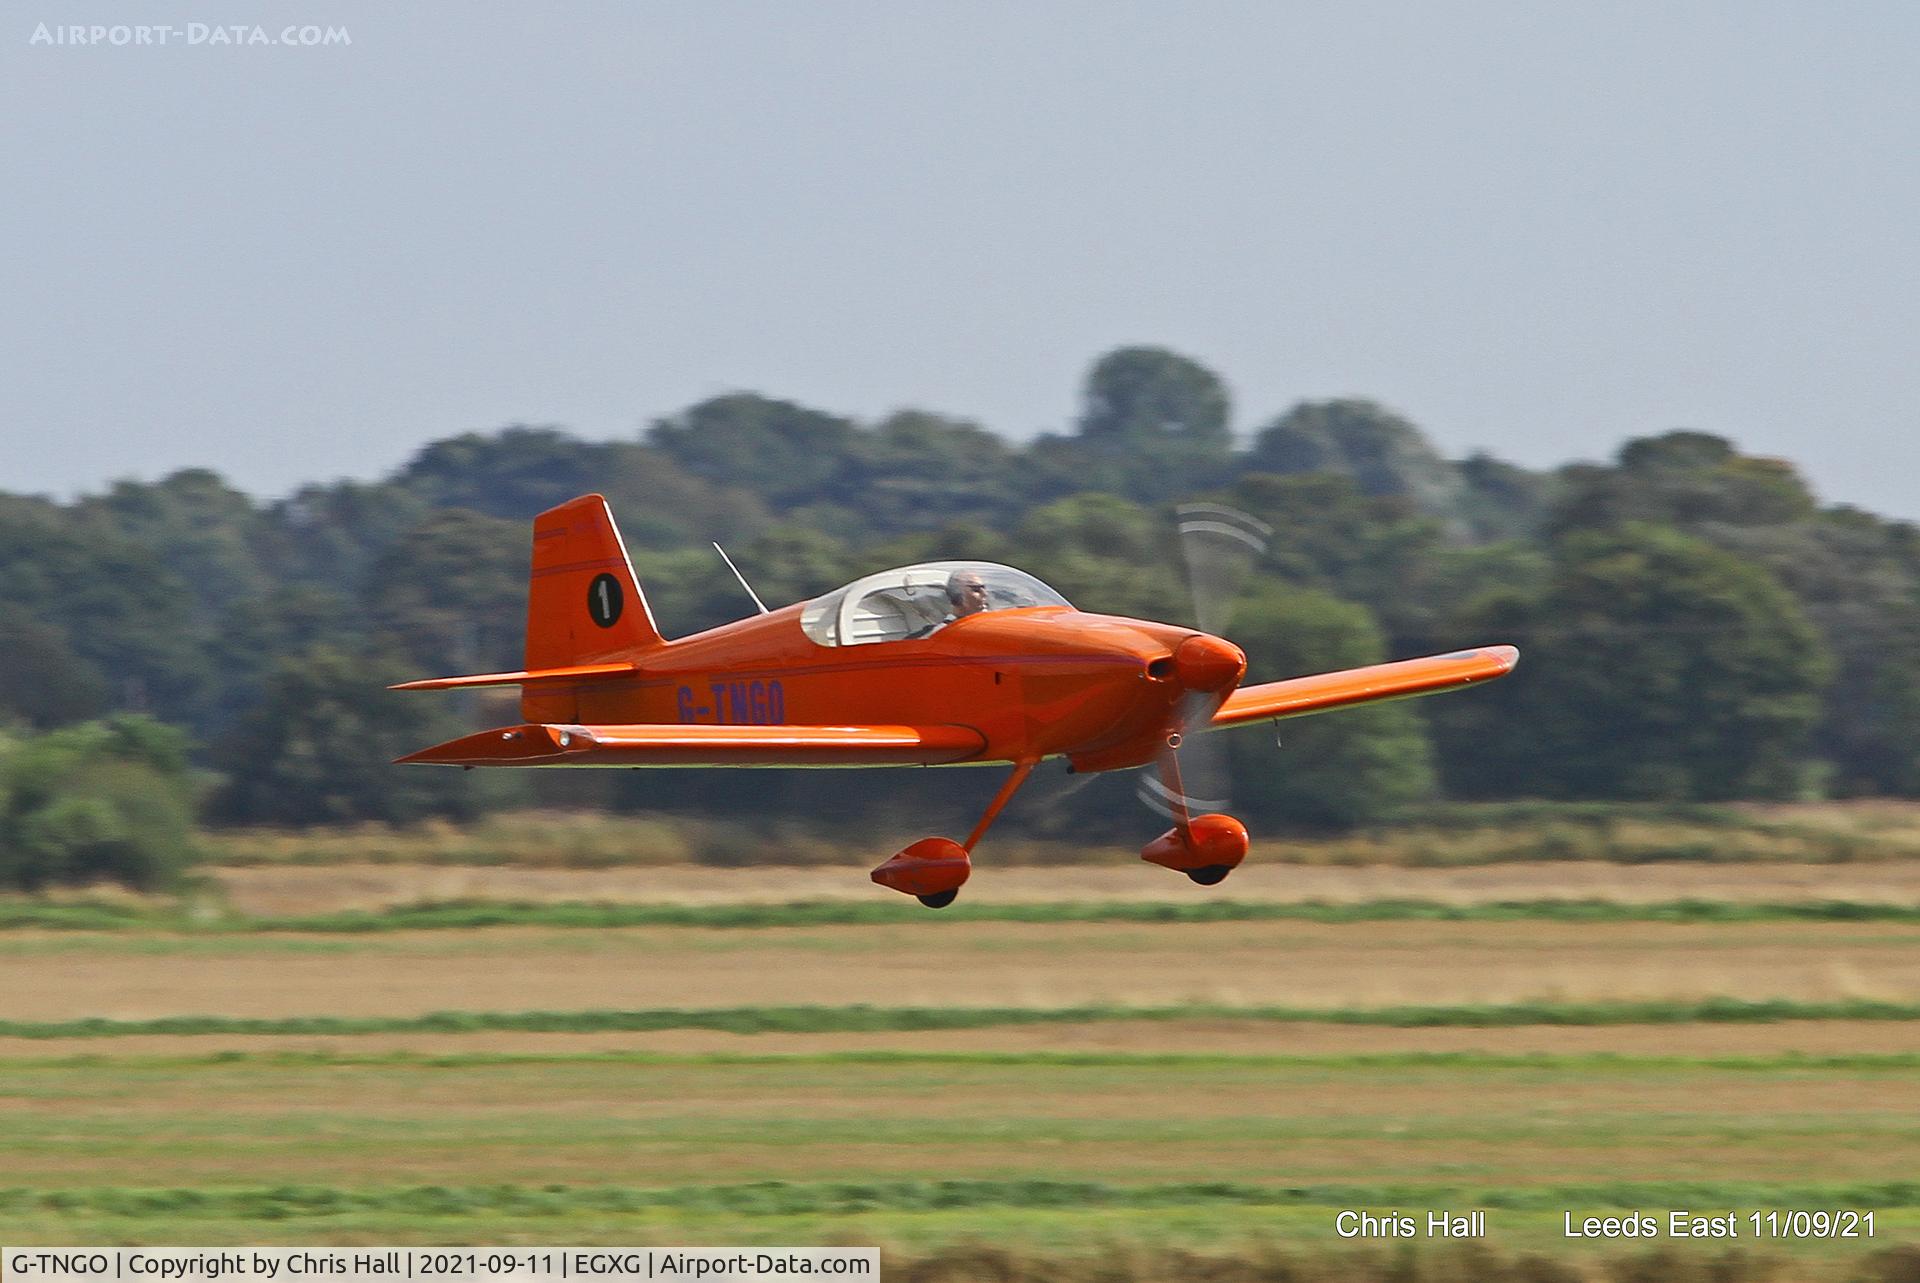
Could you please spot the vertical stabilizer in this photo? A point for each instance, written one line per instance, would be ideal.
(583, 603)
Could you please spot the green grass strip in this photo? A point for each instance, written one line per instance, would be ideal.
(1601, 1062)
(785, 1198)
(462, 914)
(867, 1019)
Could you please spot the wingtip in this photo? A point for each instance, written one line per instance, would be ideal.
(1508, 656)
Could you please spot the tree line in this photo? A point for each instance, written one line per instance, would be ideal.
(1696, 625)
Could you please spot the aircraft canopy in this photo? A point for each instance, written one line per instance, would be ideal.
(895, 605)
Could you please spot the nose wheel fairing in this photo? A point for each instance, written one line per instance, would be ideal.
(1204, 847)
(1210, 846)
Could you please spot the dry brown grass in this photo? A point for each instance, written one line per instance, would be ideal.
(1183, 1037)
(1369, 964)
(536, 839)
(284, 890)
(625, 1124)
(1288, 1263)
(1447, 836)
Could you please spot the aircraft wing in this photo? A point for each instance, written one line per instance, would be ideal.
(1401, 679)
(671, 745)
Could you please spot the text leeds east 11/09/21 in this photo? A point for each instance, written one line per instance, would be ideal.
(1679, 1224)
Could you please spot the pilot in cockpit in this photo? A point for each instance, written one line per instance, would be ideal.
(966, 595)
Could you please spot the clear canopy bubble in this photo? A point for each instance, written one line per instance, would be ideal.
(913, 601)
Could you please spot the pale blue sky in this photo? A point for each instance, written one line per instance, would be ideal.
(1535, 229)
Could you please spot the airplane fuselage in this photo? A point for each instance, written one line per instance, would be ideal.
(1033, 682)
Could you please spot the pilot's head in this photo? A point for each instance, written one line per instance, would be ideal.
(966, 593)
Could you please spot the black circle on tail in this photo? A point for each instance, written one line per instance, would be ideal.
(605, 600)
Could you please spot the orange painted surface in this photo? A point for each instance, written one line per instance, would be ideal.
(928, 867)
(580, 579)
(1033, 682)
(1218, 841)
(571, 674)
(548, 745)
(1013, 685)
(1398, 680)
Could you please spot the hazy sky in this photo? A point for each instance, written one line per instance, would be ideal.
(1534, 229)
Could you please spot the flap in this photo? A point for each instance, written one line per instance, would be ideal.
(660, 745)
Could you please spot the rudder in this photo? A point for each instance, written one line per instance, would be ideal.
(583, 603)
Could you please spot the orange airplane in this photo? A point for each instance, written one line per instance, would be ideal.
(939, 664)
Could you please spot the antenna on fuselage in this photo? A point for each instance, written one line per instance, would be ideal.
(742, 578)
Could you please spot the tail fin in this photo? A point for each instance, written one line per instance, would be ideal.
(583, 604)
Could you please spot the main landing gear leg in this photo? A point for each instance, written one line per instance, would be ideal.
(933, 869)
(1204, 847)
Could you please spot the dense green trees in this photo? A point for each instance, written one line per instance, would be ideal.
(920, 471)
(1152, 424)
(1696, 625)
(114, 601)
(1382, 452)
(453, 591)
(784, 452)
(1686, 479)
(1853, 576)
(1326, 771)
(98, 800)
(1137, 398)
(508, 473)
(318, 747)
(1105, 553)
(42, 681)
(1657, 667)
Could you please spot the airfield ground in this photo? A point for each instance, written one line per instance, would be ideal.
(1237, 1134)
(289, 889)
(955, 963)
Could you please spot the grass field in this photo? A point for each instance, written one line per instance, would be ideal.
(1439, 836)
(1060, 1085)
(298, 890)
(58, 976)
(909, 1150)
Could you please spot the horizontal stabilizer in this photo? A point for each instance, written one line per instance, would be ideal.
(539, 744)
(538, 677)
(1401, 679)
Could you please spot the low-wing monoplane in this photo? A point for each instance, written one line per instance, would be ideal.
(940, 664)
